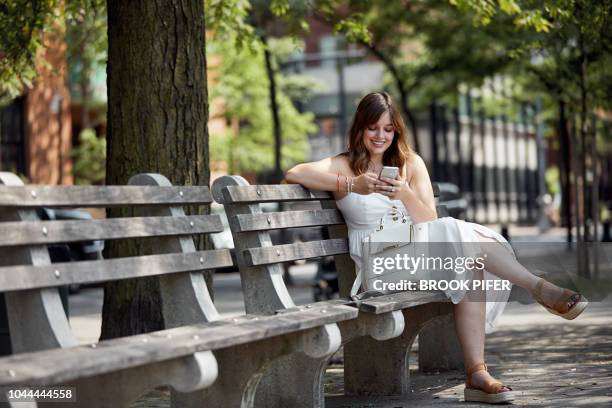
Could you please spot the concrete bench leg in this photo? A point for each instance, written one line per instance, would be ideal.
(297, 380)
(242, 368)
(439, 348)
(121, 388)
(385, 371)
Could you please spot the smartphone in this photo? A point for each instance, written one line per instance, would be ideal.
(389, 171)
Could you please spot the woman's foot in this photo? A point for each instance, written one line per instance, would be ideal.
(481, 378)
(562, 302)
(480, 386)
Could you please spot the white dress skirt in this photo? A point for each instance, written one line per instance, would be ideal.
(362, 214)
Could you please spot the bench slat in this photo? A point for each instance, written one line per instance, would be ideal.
(278, 193)
(272, 192)
(292, 252)
(21, 277)
(63, 365)
(399, 301)
(378, 304)
(49, 232)
(33, 196)
(286, 219)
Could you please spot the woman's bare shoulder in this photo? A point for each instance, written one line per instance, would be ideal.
(415, 160)
(414, 166)
(332, 164)
(340, 164)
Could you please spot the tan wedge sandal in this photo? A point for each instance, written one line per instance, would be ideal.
(568, 305)
(489, 393)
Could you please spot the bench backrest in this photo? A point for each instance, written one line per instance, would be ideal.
(259, 259)
(29, 280)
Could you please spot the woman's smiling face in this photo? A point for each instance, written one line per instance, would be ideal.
(378, 136)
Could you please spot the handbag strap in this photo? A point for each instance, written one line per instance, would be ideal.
(356, 285)
(358, 279)
(392, 210)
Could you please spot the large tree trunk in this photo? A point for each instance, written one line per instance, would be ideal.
(157, 115)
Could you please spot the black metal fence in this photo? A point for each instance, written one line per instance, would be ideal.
(12, 137)
(495, 161)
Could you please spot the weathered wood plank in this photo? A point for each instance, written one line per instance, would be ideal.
(21, 277)
(286, 219)
(399, 301)
(273, 192)
(32, 196)
(62, 365)
(378, 304)
(49, 232)
(322, 304)
(278, 192)
(292, 252)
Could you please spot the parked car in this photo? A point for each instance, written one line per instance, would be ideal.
(74, 251)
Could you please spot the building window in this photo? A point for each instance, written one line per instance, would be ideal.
(328, 46)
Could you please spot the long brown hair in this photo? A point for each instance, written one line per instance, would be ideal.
(370, 109)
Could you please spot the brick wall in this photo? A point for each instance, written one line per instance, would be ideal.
(48, 120)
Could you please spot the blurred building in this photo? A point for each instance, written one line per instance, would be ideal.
(35, 128)
(346, 72)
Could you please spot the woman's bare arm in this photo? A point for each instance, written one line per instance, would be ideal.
(416, 192)
(419, 199)
(318, 175)
(323, 175)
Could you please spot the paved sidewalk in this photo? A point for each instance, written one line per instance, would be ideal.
(548, 361)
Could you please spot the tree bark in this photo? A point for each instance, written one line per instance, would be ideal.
(278, 138)
(157, 117)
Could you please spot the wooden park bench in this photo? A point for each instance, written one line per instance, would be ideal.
(378, 341)
(208, 361)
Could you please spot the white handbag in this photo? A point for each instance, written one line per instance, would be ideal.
(397, 237)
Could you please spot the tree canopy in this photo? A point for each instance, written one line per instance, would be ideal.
(242, 87)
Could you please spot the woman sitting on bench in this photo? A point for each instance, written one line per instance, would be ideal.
(377, 139)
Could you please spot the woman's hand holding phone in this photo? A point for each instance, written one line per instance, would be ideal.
(365, 183)
(394, 188)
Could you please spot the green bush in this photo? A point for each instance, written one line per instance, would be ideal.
(89, 159)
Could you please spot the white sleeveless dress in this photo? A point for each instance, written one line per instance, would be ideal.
(362, 214)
